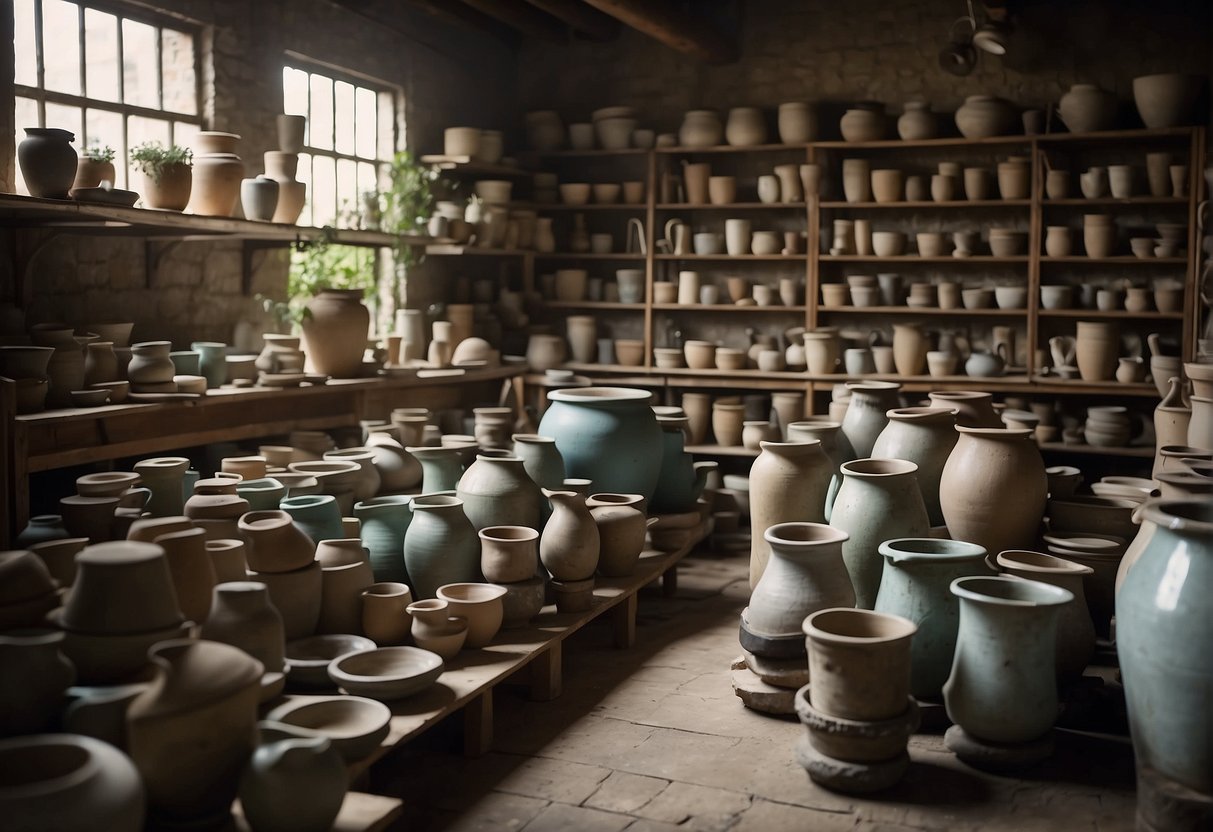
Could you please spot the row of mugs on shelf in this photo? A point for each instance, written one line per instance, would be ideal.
(738, 239)
(862, 290)
(860, 183)
(500, 191)
(1100, 236)
(858, 238)
(788, 183)
(1121, 181)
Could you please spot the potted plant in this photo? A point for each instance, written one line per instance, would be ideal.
(95, 166)
(167, 176)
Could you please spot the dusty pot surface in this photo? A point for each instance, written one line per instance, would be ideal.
(859, 662)
(789, 481)
(804, 574)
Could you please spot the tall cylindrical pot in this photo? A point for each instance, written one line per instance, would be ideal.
(335, 332)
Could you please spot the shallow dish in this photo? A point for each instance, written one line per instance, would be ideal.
(102, 196)
(355, 725)
(309, 658)
(386, 673)
(89, 398)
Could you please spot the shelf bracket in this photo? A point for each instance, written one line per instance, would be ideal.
(154, 253)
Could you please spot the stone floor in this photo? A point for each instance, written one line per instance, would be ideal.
(652, 738)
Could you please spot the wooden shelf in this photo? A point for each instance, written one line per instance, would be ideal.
(587, 255)
(1074, 386)
(732, 206)
(360, 812)
(466, 166)
(1176, 133)
(927, 204)
(914, 258)
(473, 251)
(594, 304)
(1119, 260)
(789, 258)
(945, 142)
(599, 152)
(1126, 202)
(1062, 448)
(589, 206)
(1110, 313)
(725, 307)
(728, 148)
(929, 310)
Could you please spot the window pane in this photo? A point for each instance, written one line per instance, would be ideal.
(60, 23)
(180, 82)
(304, 175)
(347, 190)
(367, 180)
(321, 113)
(324, 191)
(23, 43)
(140, 130)
(104, 129)
(344, 107)
(294, 92)
(139, 69)
(366, 125)
(25, 114)
(66, 118)
(387, 127)
(101, 55)
(185, 133)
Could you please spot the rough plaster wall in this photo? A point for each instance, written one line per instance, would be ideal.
(446, 75)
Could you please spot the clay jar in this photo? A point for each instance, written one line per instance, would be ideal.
(622, 524)
(983, 116)
(915, 584)
(866, 414)
(1097, 350)
(345, 571)
(385, 616)
(295, 781)
(440, 546)
(878, 500)
(509, 554)
(797, 123)
(910, 347)
(34, 704)
(1075, 630)
(191, 569)
(383, 523)
(986, 466)
(335, 332)
(218, 173)
(805, 574)
(435, 629)
(203, 697)
(700, 128)
(745, 127)
(1007, 632)
(497, 491)
(789, 482)
(242, 616)
(275, 543)
(48, 161)
(569, 546)
(163, 476)
(973, 409)
(541, 459)
(859, 662)
(924, 436)
(480, 605)
(1086, 108)
(917, 122)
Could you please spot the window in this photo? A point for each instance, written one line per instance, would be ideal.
(351, 135)
(112, 78)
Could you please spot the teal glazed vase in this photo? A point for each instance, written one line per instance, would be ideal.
(441, 467)
(497, 491)
(316, 515)
(608, 435)
(212, 362)
(263, 494)
(1164, 629)
(441, 546)
(682, 479)
(384, 522)
(918, 572)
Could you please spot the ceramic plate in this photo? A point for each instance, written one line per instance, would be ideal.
(100, 196)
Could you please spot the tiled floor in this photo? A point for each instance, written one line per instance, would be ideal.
(652, 738)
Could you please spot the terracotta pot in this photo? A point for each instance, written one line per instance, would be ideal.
(385, 616)
(917, 122)
(435, 629)
(924, 436)
(335, 332)
(797, 123)
(171, 191)
(90, 174)
(297, 596)
(700, 128)
(242, 616)
(982, 116)
(216, 184)
(191, 570)
(821, 352)
(986, 465)
(480, 605)
(545, 352)
(275, 542)
(569, 546)
(1166, 99)
(862, 124)
(727, 419)
(341, 588)
(1075, 630)
(48, 161)
(973, 409)
(910, 345)
(866, 414)
(509, 554)
(497, 491)
(440, 546)
(789, 482)
(1200, 426)
(621, 523)
(1097, 351)
(859, 662)
(204, 697)
(1086, 108)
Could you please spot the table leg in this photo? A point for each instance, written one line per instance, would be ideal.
(623, 621)
(546, 674)
(478, 725)
(669, 581)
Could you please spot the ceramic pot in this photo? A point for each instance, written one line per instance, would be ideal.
(259, 198)
(1086, 108)
(90, 174)
(171, 190)
(917, 122)
(100, 363)
(295, 781)
(497, 491)
(745, 127)
(1166, 99)
(862, 124)
(242, 616)
(1097, 350)
(1200, 426)
(345, 572)
(682, 479)
(435, 629)
(910, 347)
(973, 409)
(316, 515)
(276, 542)
(1075, 630)
(878, 500)
(1163, 625)
(805, 574)
(440, 545)
(859, 662)
(163, 476)
(727, 423)
(797, 123)
(191, 570)
(150, 364)
(33, 705)
(480, 604)
(366, 482)
(856, 180)
(1008, 629)
(335, 331)
(541, 459)
(621, 524)
(68, 783)
(48, 161)
(700, 128)
(924, 436)
(385, 615)
(544, 130)
(583, 335)
(789, 482)
(821, 352)
(441, 467)
(509, 554)
(914, 584)
(204, 697)
(384, 522)
(398, 469)
(983, 116)
(216, 184)
(986, 465)
(545, 352)
(569, 546)
(608, 435)
(866, 414)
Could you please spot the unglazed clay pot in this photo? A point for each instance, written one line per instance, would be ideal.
(171, 190)
(1086, 108)
(1164, 624)
(541, 459)
(986, 466)
(1075, 630)
(859, 662)
(700, 128)
(497, 491)
(915, 584)
(435, 629)
(385, 615)
(1097, 350)
(622, 524)
(924, 436)
(509, 554)
(879, 500)
(569, 546)
(398, 469)
(242, 616)
(480, 604)
(866, 414)
(917, 122)
(910, 346)
(204, 697)
(1003, 686)
(789, 482)
(35, 702)
(982, 116)
(805, 574)
(1166, 99)
(344, 573)
(275, 543)
(366, 483)
(295, 781)
(727, 419)
(189, 565)
(440, 546)
(973, 409)
(68, 783)
(335, 331)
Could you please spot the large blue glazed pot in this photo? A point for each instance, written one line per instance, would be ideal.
(608, 435)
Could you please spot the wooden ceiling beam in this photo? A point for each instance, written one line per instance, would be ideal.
(662, 21)
(588, 21)
(520, 15)
(461, 15)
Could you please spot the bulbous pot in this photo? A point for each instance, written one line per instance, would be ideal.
(986, 467)
(983, 116)
(866, 414)
(974, 409)
(917, 122)
(1166, 99)
(924, 436)
(242, 616)
(700, 128)
(789, 482)
(384, 522)
(1003, 686)
(48, 161)
(1086, 108)
(622, 524)
(335, 332)
(745, 127)
(541, 459)
(295, 781)
(608, 435)
(682, 479)
(569, 546)
(797, 123)
(441, 467)
(316, 515)
(915, 584)
(216, 184)
(440, 545)
(496, 491)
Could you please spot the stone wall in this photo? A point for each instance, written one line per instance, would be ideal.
(882, 50)
(445, 74)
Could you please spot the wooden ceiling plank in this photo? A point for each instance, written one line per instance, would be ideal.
(587, 20)
(662, 21)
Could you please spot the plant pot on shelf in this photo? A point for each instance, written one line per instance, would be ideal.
(170, 191)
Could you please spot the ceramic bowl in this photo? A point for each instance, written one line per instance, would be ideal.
(629, 353)
(888, 243)
(1011, 297)
(575, 193)
(308, 658)
(1142, 247)
(606, 193)
(31, 394)
(494, 191)
(355, 726)
(1056, 297)
(1006, 243)
(89, 398)
(386, 673)
(700, 355)
(480, 604)
(979, 298)
(668, 358)
(730, 359)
